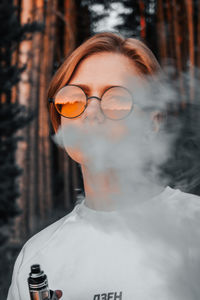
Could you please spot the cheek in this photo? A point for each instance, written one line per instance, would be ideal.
(73, 152)
(76, 155)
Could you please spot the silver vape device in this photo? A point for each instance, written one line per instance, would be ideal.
(38, 284)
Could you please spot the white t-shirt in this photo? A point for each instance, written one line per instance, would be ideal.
(149, 253)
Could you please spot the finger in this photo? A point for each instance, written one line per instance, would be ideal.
(55, 295)
(59, 293)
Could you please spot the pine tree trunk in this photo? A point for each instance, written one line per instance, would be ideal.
(34, 155)
(70, 26)
(161, 32)
(198, 37)
(177, 36)
(22, 227)
(44, 145)
(142, 19)
(70, 172)
(170, 37)
(189, 12)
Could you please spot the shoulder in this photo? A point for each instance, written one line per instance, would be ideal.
(45, 236)
(181, 211)
(186, 204)
(18, 288)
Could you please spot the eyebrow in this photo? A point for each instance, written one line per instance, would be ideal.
(87, 88)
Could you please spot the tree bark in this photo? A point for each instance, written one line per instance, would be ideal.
(189, 12)
(34, 155)
(177, 36)
(70, 172)
(170, 30)
(70, 26)
(198, 37)
(161, 32)
(142, 19)
(23, 222)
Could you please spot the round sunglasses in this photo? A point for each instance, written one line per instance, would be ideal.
(71, 101)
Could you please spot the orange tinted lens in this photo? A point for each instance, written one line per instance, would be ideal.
(70, 101)
(117, 103)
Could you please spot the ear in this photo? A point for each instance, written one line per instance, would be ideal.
(157, 118)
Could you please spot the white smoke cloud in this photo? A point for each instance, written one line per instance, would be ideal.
(167, 232)
(131, 147)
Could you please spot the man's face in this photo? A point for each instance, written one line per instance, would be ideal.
(94, 75)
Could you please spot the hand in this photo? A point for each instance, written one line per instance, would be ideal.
(58, 293)
(55, 295)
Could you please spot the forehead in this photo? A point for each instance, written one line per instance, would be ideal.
(105, 68)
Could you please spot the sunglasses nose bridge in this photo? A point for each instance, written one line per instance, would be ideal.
(93, 103)
(93, 110)
(94, 97)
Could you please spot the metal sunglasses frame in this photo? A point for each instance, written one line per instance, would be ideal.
(52, 100)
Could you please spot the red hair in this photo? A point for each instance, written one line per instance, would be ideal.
(136, 50)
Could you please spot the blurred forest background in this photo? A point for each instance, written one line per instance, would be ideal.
(39, 183)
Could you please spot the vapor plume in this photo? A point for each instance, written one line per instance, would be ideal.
(135, 149)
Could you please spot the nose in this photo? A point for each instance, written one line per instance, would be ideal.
(93, 110)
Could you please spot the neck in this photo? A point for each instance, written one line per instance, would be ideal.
(103, 188)
(100, 189)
